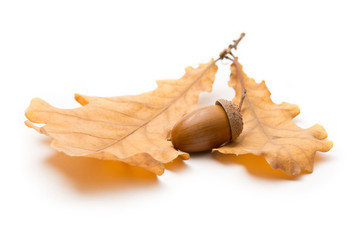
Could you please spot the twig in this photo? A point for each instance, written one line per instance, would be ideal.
(227, 51)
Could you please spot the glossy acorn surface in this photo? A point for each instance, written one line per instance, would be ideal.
(202, 130)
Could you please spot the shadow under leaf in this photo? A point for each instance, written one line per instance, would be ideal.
(258, 166)
(93, 175)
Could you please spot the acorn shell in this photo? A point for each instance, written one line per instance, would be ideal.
(234, 116)
(201, 130)
(207, 127)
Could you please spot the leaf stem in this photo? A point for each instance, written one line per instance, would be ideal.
(241, 79)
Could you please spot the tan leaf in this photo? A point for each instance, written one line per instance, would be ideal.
(132, 129)
(270, 131)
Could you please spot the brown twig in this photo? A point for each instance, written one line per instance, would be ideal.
(227, 51)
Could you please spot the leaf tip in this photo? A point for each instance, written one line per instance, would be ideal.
(80, 99)
(31, 125)
(159, 171)
(328, 145)
(36, 104)
(292, 169)
(318, 132)
(292, 109)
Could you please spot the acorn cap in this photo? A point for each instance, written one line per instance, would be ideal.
(234, 116)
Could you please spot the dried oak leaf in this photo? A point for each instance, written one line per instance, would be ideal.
(270, 131)
(132, 129)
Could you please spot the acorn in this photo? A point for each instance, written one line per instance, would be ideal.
(208, 127)
(212, 126)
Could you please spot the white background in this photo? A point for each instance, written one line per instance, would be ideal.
(307, 51)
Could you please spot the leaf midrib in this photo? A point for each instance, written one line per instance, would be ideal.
(164, 109)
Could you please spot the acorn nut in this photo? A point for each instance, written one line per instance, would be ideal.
(208, 127)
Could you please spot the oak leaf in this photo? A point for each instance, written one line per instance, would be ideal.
(132, 129)
(270, 131)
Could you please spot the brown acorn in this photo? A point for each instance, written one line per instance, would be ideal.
(208, 127)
